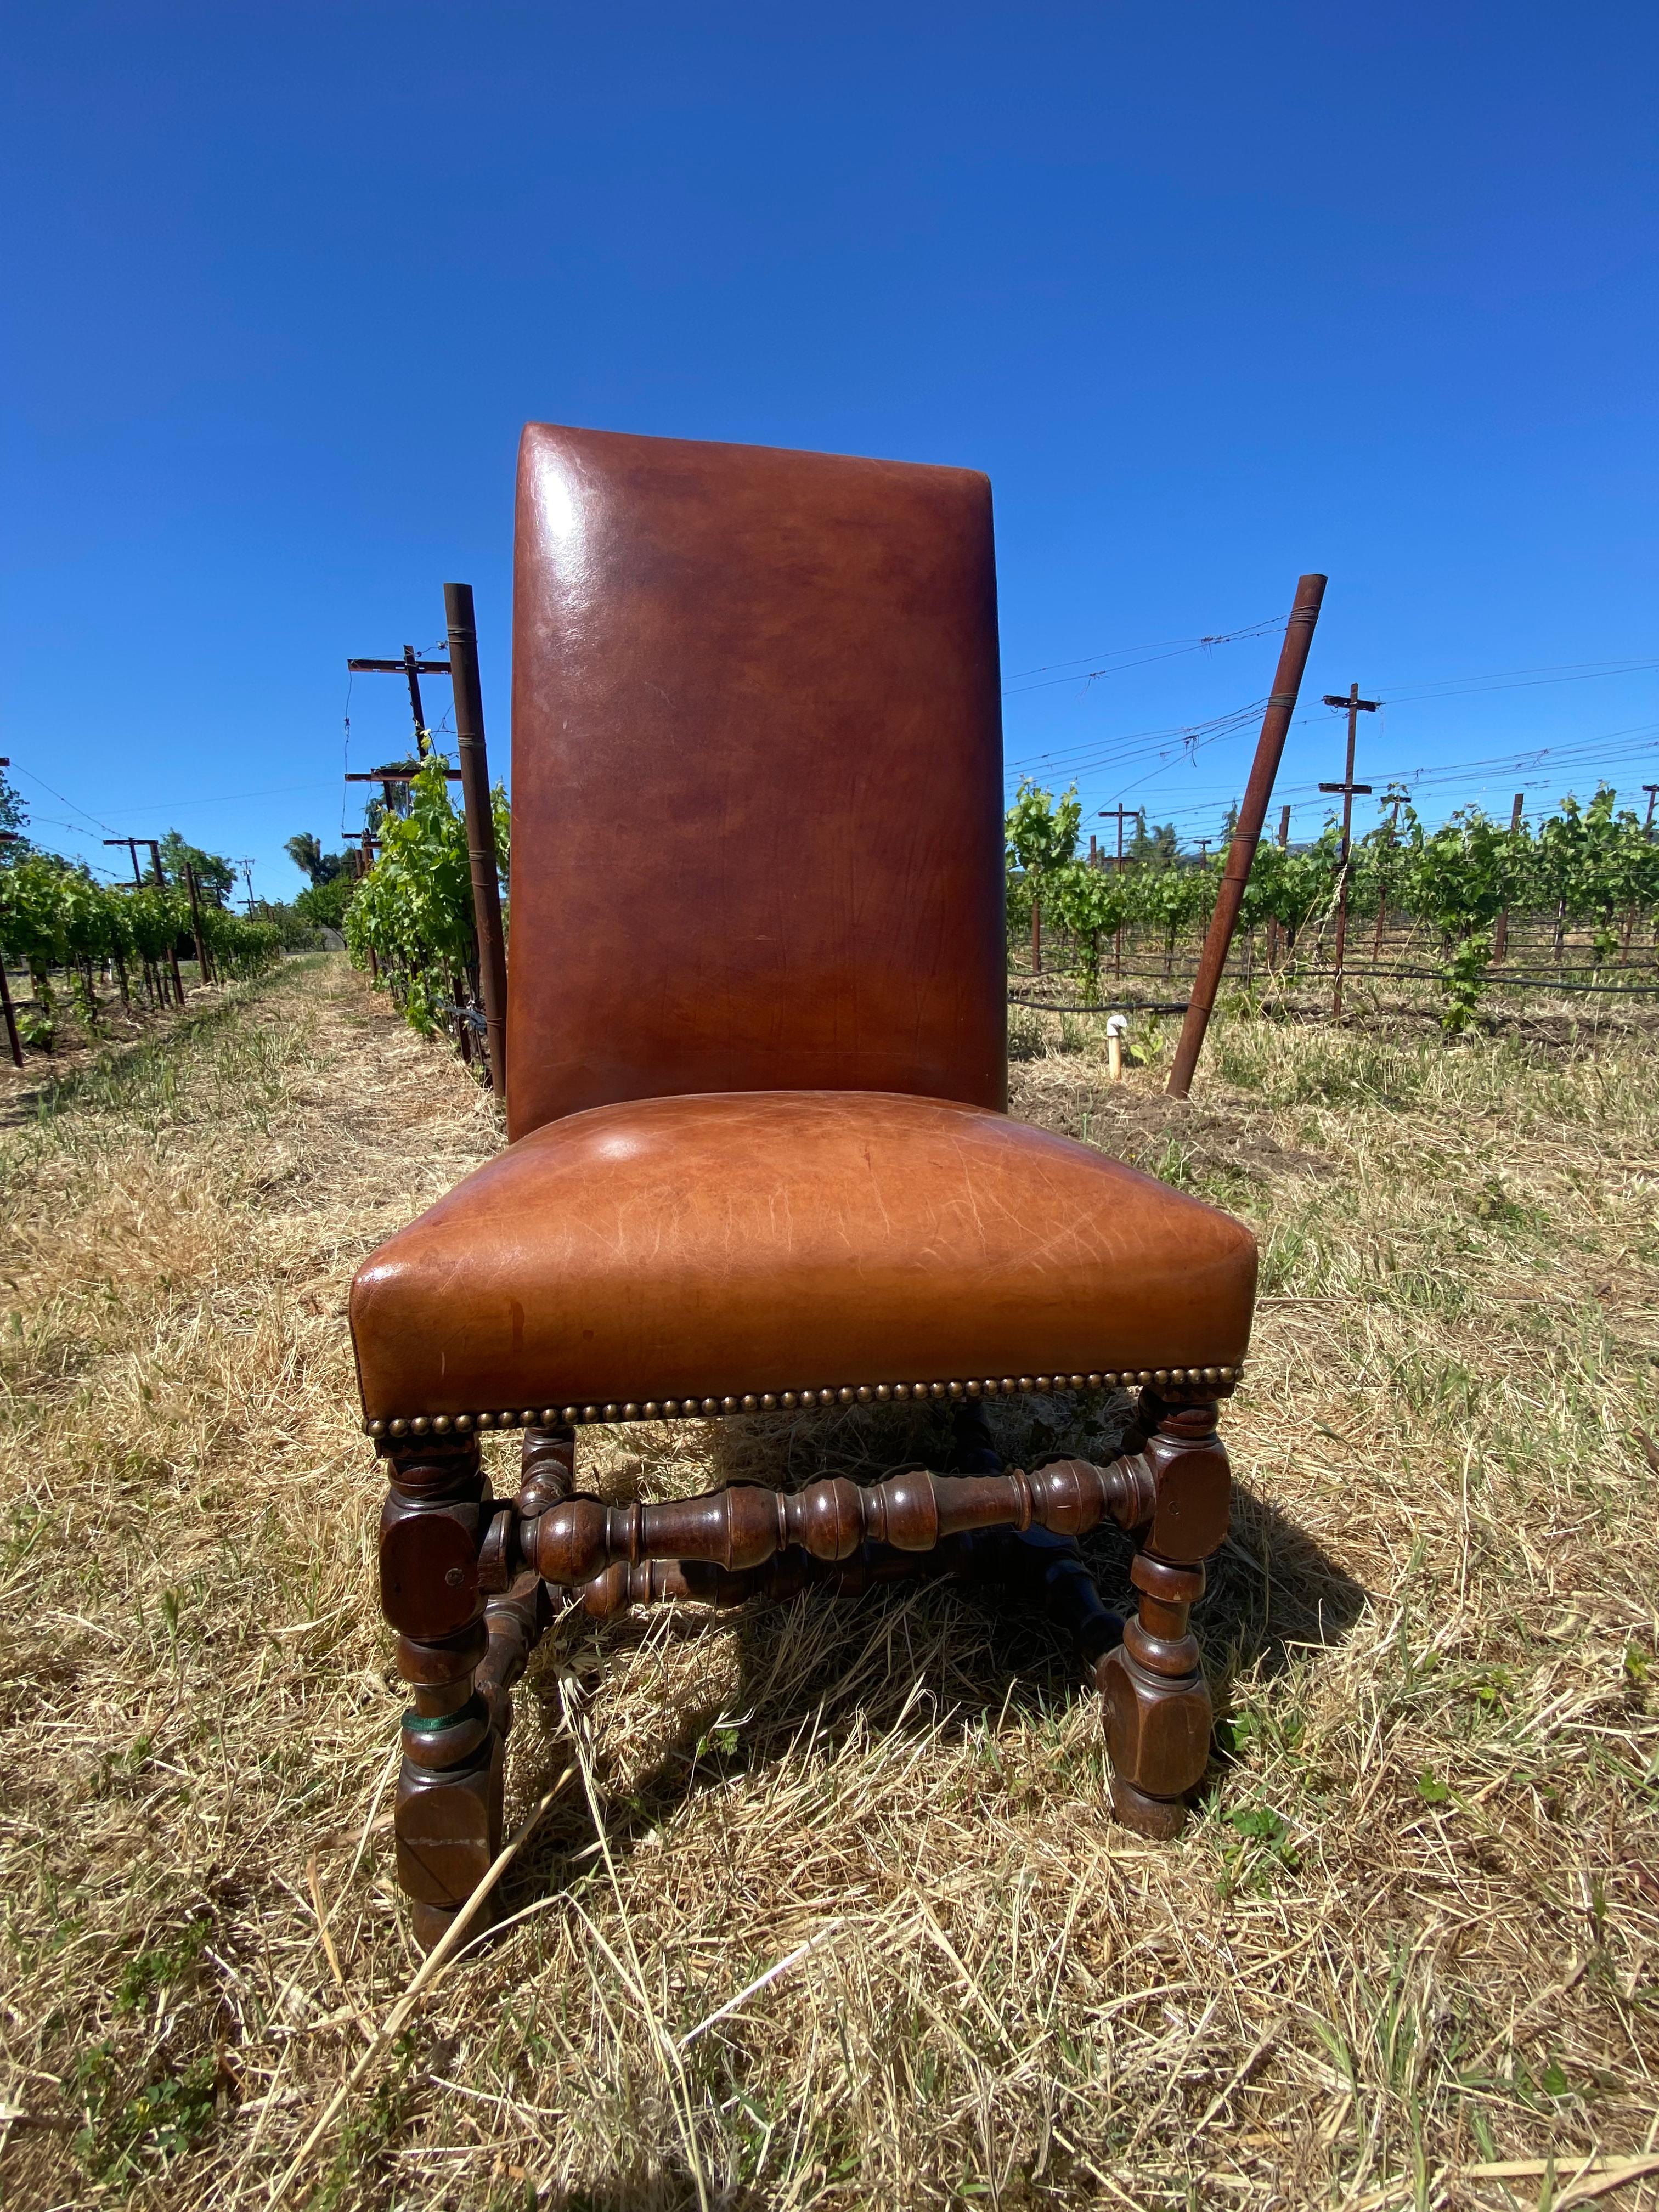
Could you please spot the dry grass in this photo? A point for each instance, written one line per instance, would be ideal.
(1410, 1937)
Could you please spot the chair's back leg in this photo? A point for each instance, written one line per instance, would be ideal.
(1159, 1714)
(449, 1815)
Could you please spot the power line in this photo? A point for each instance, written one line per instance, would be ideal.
(1087, 752)
(1138, 744)
(1516, 679)
(1164, 649)
(1107, 652)
(1552, 766)
(59, 797)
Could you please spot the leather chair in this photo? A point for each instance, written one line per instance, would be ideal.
(759, 1157)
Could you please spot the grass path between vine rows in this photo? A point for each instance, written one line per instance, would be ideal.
(1404, 1955)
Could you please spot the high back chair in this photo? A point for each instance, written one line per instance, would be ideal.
(758, 1158)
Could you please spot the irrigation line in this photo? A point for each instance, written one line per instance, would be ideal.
(1114, 1006)
(1507, 982)
(1123, 1003)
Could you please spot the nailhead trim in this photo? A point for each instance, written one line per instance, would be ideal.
(769, 1402)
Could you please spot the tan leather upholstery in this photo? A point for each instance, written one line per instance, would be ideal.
(717, 1245)
(756, 777)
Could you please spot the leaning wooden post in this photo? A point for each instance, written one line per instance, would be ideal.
(480, 825)
(1275, 724)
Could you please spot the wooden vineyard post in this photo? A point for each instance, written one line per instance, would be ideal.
(1349, 789)
(1270, 747)
(1272, 919)
(480, 825)
(1120, 814)
(1500, 936)
(172, 948)
(1396, 800)
(11, 1017)
(364, 862)
(196, 924)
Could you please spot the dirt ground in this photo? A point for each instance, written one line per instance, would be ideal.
(830, 1910)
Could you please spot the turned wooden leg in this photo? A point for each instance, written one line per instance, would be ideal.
(517, 1620)
(448, 1815)
(547, 1468)
(1158, 1715)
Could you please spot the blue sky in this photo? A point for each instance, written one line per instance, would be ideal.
(1214, 295)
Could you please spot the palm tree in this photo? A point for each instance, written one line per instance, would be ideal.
(307, 856)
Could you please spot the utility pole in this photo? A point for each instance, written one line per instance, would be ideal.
(1120, 815)
(480, 825)
(1652, 791)
(1350, 790)
(1269, 751)
(1500, 936)
(413, 667)
(247, 877)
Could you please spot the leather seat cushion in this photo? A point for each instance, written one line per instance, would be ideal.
(726, 1244)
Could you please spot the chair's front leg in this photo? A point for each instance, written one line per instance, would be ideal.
(1158, 1715)
(448, 1815)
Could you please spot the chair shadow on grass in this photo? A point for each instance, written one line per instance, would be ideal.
(925, 1655)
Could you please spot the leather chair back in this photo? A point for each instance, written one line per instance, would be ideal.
(756, 777)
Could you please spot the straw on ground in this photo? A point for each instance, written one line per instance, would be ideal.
(1405, 1955)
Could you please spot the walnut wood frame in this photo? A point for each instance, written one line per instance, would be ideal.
(471, 1582)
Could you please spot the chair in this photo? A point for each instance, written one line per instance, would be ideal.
(759, 1157)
